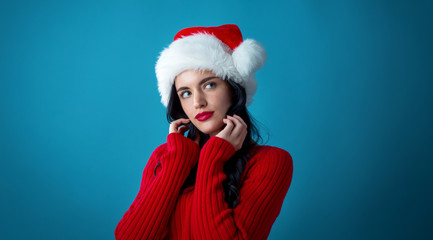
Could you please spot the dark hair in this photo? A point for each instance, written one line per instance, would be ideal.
(235, 166)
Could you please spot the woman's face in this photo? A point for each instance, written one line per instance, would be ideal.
(205, 98)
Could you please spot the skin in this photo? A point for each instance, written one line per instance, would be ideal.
(201, 91)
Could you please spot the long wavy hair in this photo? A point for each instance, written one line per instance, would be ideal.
(235, 166)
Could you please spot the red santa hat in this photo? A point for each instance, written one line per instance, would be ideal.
(221, 50)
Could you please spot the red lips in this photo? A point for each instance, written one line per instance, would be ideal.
(203, 116)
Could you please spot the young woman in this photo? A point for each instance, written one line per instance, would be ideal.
(217, 182)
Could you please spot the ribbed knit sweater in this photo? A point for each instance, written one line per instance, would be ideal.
(162, 211)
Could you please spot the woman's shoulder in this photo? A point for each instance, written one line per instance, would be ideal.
(271, 152)
(270, 157)
(269, 163)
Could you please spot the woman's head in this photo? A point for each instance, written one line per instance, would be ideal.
(206, 100)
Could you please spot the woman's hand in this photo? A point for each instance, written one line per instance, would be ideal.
(178, 126)
(234, 132)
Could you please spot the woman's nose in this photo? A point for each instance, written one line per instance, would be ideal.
(199, 100)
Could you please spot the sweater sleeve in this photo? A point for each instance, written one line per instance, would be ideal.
(261, 194)
(149, 214)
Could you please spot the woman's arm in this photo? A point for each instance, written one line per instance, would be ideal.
(148, 216)
(261, 194)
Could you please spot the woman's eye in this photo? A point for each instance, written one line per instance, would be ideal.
(210, 85)
(185, 94)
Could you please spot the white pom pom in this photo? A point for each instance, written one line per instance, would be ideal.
(248, 57)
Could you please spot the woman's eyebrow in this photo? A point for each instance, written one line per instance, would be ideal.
(200, 83)
(207, 79)
(181, 88)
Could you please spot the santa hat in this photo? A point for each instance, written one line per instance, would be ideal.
(218, 49)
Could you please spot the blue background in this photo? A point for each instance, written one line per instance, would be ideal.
(347, 90)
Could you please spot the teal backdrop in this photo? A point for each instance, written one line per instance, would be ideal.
(347, 90)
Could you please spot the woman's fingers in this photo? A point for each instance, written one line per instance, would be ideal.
(174, 126)
(235, 131)
(182, 129)
(241, 120)
(228, 128)
(240, 126)
(225, 133)
(244, 129)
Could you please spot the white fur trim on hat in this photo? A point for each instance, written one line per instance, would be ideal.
(207, 52)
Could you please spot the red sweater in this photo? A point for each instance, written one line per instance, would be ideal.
(161, 210)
